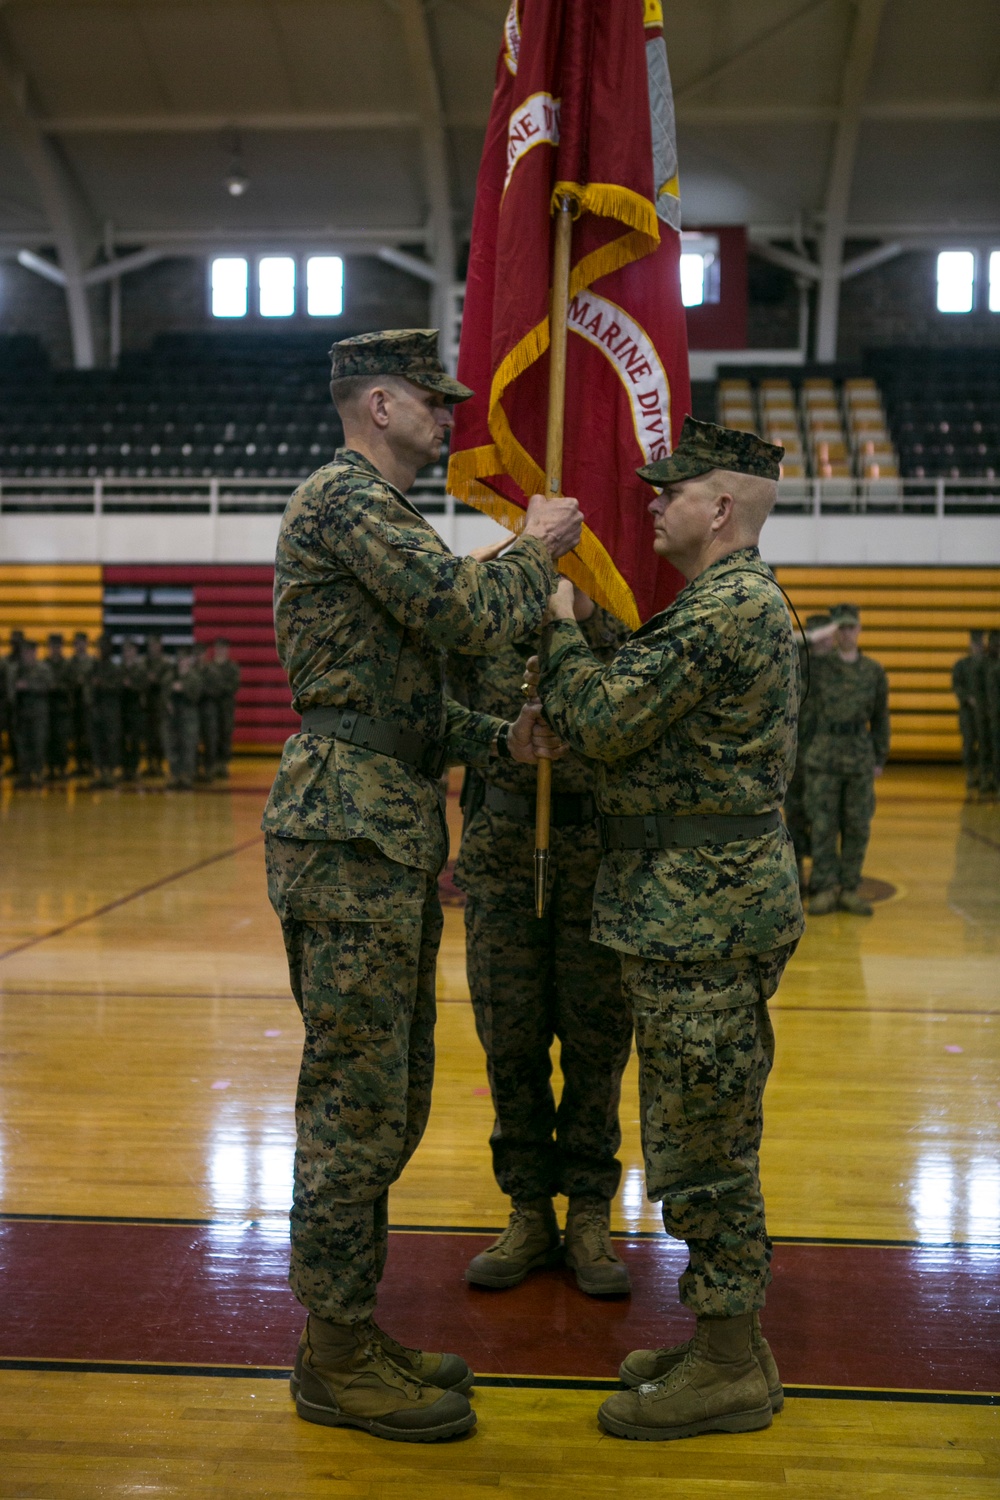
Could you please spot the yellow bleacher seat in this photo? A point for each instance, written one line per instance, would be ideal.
(915, 621)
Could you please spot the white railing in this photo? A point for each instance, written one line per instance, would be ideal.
(217, 494)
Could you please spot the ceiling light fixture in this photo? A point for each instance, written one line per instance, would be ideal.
(236, 184)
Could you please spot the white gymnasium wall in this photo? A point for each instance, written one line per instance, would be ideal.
(248, 538)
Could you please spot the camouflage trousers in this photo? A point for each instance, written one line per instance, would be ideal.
(60, 731)
(706, 1046)
(180, 739)
(841, 806)
(361, 933)
(106, 732)
(970, 743)
(532, 980)
(31, 721)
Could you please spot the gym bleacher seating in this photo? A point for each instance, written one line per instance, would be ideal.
(191, 406)
(944, 410)
(829, 428)
(916, 622)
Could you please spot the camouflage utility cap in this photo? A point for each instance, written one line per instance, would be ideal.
(409, 352)
(703, 447)
(845, 614)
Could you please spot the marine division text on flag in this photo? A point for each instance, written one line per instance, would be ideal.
(582, 108)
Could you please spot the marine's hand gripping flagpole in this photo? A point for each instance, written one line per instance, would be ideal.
(565, 212)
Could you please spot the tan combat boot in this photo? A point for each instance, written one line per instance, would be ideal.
(447, 1371)
(823, 902)
(717, 1387)
(643, 1366)
(856, 904)
(589, 1251)
(529, 1243)
(346, 1380)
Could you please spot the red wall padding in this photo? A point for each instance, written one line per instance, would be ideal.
(235, 602)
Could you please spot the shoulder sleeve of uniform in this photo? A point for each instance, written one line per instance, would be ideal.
(658, 675)
(400, 559)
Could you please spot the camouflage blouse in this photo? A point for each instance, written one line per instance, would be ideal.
(696, 714)
(850, 708)
(367, 599)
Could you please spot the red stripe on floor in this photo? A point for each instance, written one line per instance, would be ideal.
(837, 1315)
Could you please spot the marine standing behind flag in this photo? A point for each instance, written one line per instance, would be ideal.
(582, 110)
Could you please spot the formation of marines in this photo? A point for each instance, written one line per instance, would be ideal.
(842, 748)
(111, 716)
(975, 681)
(674, 902)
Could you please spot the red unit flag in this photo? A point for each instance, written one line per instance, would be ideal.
(582, 108)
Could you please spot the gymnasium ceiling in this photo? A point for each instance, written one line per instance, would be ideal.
(360, 121)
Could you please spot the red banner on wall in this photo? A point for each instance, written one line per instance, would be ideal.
(582, 107)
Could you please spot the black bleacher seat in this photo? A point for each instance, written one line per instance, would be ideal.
(230, 399)
(942, 407)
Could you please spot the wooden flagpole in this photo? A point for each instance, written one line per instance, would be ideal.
(558, 317)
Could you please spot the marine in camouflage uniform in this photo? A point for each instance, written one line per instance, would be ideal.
(225, 686)
(104, 701)
(693, 726)
(159, 674)
(796, 818)
(964, 687)
(32, 684)
(8, 668)
(134, 678)
(989, 674)
(181, 700)
(535, 979)
(60, 709)
(367, 599)
(849, 747)
(81, 666)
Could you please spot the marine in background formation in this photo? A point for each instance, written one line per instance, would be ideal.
(29, 685)
(160, 670)
(848, 749)
(367, 598)
(991, 681)
(535, 979)
(693, 727)
(820, 631)
(81, 665)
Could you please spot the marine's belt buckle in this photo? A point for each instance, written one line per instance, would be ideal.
(604, 832)
(650, 831)
(346, 726)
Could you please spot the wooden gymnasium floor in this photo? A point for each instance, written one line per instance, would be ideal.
(148, 1047)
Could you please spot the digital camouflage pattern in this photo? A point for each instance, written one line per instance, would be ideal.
(703, 446)
(409, 352)
(367, 601)
(104, 701)
(696, 714)
(81, 664)
(181, 725)
(60, 715)
(988, 680)
(31, 684)
(159, 670)
(367, 597)
(532, 980)
(361, 933)
(705, 1047)
(850, 738)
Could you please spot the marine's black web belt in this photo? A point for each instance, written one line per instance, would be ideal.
(569, 809)
(658, 831)
(381, 735)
